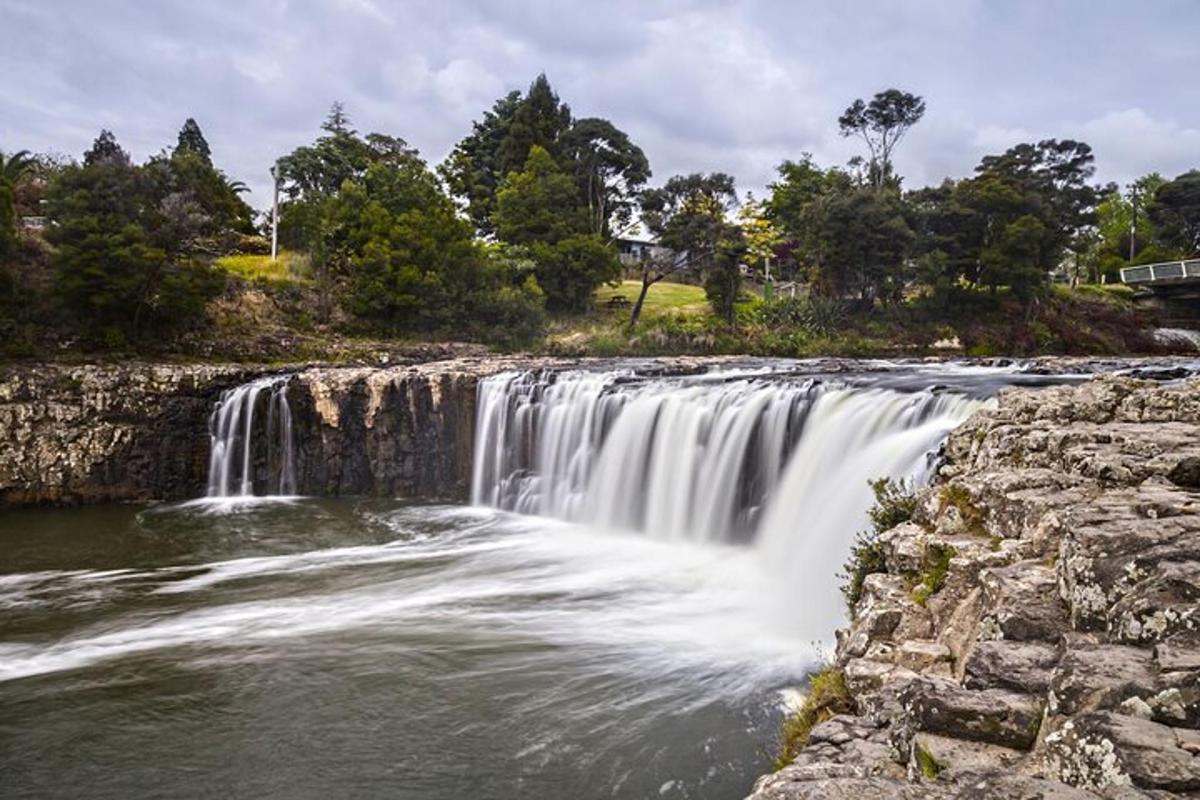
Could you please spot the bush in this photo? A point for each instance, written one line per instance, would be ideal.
(895, 502)
(827, 696)
(818, 316)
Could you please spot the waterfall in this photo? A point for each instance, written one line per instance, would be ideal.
(777, 463)
(235, 422)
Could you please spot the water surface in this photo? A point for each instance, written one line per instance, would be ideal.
(315, 649)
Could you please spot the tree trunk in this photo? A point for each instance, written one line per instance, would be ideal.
(637, 307)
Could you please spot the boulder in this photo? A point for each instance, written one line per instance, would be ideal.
(1004, 664)
(993, 716)
(1092, 676)
(1106, 749)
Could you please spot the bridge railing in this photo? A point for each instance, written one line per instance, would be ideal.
(1163, 272)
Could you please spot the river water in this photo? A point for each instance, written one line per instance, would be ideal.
(581, 632)
(317, 649)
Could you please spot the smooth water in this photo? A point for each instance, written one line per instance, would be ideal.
(363, 649)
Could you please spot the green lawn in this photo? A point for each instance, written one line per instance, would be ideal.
(663, 298)
(261, 268)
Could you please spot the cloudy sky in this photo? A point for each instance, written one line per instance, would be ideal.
(734, 86)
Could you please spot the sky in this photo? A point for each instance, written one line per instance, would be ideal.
(702, 86)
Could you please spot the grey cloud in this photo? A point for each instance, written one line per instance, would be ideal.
(736, 87)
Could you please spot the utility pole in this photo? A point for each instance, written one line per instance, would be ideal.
(275, 214)
(1134, 196)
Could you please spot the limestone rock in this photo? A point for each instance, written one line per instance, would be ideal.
(1106, 749)
(993, 716)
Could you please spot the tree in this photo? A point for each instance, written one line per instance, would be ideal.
(191, 140)
(538, 208)
(13, 170)
(761, 234)
(539, 121)
(882, 123)
(105, 150)
(473, 171)
(122, 260)
(1176, 213)
(859, 242)
(723, 281)
(538, 204)
(609, 171)
(688, 217)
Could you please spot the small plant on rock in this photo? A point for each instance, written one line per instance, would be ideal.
(827, 696)
(895, 502)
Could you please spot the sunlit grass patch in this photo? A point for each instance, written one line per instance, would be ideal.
(288, 268)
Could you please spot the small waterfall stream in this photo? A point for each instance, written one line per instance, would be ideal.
(236, 421)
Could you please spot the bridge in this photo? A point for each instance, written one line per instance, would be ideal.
(1163, 275)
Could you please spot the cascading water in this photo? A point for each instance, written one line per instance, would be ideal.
(781, 464)
(235, 422)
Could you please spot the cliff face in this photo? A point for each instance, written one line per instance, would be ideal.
(74, 434)
(1058, 653)
(140, 432)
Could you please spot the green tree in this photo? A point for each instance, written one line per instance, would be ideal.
(105, 150)
(121, 259)
(609, 171)
(539, 208)
(13, 170)
(723, 279)
(859, 242)
(1176, 213)
(473, 171)
(538, 204)
(882, 123)
(191, 140)
(539, 121)
(607, 168)
(688, 215)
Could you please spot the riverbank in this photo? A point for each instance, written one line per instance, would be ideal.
(1034, 629)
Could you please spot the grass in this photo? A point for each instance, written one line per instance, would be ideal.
(929, 766)
(970, 514)
(261, 269)
(663, 298)
(827, 696)
(933, 576)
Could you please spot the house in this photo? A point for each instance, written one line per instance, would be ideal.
(633, 252)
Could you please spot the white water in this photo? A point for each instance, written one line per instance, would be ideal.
(780, 467)
(232, 431)
(1178, 337)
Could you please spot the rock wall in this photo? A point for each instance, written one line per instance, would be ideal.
(1060, 653)
(77, 434)
(82, 434)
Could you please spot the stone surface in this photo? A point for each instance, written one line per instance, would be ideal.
(1075, 516)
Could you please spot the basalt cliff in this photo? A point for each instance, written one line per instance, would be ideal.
(78, 434)
(1034, 629)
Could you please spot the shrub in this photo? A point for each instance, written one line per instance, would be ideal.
(895, 502)
(827, 696)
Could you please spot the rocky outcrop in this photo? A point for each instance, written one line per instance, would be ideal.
(77, 434)
(1059, 656)
(91, 433)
